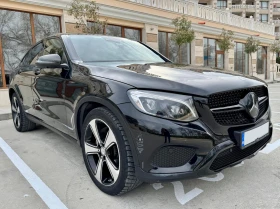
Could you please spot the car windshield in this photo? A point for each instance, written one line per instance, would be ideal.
(92, 48)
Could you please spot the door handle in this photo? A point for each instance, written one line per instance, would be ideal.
(37, 71)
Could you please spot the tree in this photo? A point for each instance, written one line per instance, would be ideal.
(251, 46)
(274, 48)
(86, 14)
(183, 33)
(225, 41)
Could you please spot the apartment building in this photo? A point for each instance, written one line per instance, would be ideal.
(24, 22)
(260, 10)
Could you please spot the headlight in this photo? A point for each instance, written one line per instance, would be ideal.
(165, 105)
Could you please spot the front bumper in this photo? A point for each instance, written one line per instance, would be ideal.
(212, 153)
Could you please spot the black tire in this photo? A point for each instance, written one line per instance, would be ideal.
(126, 180)
(21, 122)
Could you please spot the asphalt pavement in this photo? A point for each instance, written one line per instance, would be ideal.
(40, 169)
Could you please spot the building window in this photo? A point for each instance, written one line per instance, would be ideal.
(264, 17)
(264, 4)
(241, 59)
(169, 49)
(213, 56)
(18, 37)
(261, 60)
(45, 26)
(113, 30)
(125, 32)
(120, 31)
(221, 4)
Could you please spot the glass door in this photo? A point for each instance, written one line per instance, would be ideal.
(220, 59)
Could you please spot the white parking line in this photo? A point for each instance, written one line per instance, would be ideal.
(271, 147)
(218, 177)
(183, 197)
(275, 112)
(46, 194)
(180, 194)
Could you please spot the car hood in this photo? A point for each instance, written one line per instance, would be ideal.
(171, 77)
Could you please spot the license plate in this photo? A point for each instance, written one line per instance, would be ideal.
(253, 135)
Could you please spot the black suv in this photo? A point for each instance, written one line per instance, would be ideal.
(137, 116)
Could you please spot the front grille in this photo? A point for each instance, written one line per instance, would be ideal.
(232, 118)
(235, 154)
(229, 98)
(238, 117)
(172, 156)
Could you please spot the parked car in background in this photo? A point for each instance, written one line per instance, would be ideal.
(137, 116)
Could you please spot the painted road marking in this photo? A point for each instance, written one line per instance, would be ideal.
(46, 194)
(275, 112)
(183, 197)
(277, 125)
(180, 194)
(157, 186)
(239, 165)
(218, 177)
(271, 147)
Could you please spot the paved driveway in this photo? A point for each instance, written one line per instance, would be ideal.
(60, 177)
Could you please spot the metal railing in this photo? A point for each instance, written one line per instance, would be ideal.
(276, 22)
(276, 9)
(208, 13)
(243, 6)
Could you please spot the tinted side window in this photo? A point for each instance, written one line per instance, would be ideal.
(54, 46)
(29, 57)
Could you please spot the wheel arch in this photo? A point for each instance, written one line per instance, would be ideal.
(11, 92)
(90, 102)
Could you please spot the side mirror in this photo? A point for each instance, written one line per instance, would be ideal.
(50, 61)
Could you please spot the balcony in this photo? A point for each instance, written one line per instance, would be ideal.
(276, 10)
(277, 34)
(243, 6)
(207, 13)
(276, 22)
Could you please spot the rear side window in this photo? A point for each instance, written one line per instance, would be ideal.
(32, 54)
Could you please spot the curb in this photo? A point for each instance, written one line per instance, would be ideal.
(5, 116)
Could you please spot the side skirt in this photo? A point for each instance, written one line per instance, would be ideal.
(40, 122)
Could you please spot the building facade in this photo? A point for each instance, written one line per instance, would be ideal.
(267, 11)
(24, 22)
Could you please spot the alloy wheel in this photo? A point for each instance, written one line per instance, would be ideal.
(102, 152)
(16, 112)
